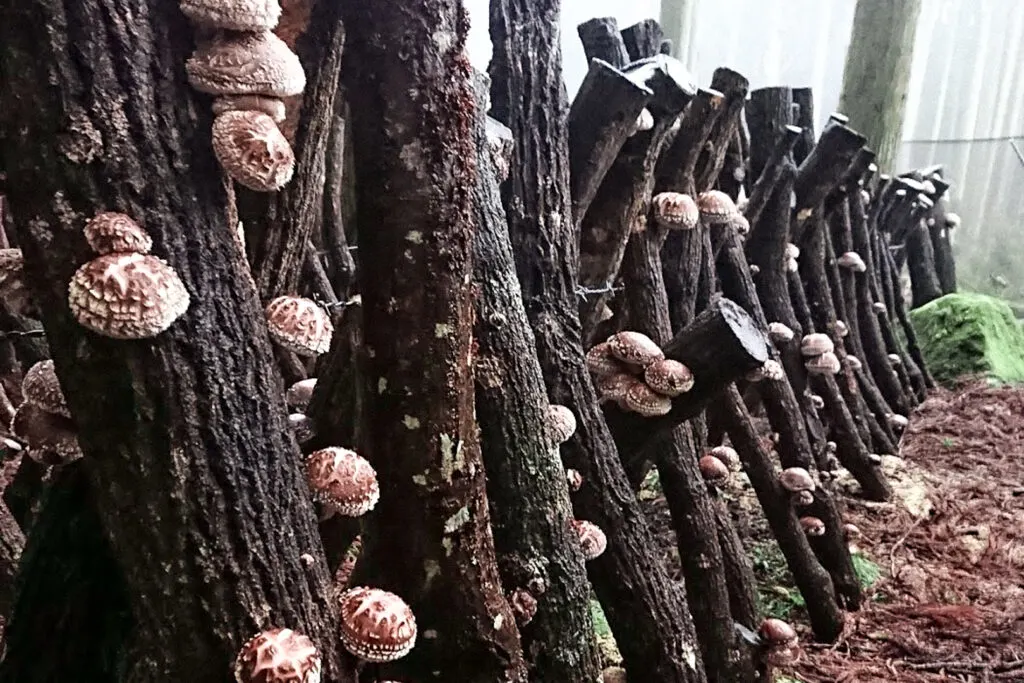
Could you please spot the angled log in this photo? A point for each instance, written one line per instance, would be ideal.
(770, 174)
(924, 280)
(734, 87)
(822, 171)
(643, 39)
(803, 99)
(602, 40)
(677, 165)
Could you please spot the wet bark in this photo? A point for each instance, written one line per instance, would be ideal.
(429, 539)
(88, 127)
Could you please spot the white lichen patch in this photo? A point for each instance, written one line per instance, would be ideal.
(419, 479)
(690, 656)
(442, 330)
(457, 521)
(411, 422)
(499, 621)
(431, 569)
(452, 458)
(449, 546)
(382, 385)
(414, 236)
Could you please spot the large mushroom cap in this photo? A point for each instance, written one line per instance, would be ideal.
(795, 479)
(12, 282)
(675, 211)
(127, 296)
(713, 469)
(298, 394)
(780, 333)
(561, 423)
(816, 344)
(634, 348)
(342, 480)
(51, 439)
(299, 325)
(645, 401)
(668, 377)
(109, 231)
(256, 63)
(825, 364)
(727, 454)
(233, 15)
(592, 539)
(602, 363)
(278, 656)
(376, 626)
(253, 150)
(41, 387)
(715, 206)
(776, 632)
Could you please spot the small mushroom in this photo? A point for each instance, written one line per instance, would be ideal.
(831, 446)
(127, 296)
(299, 325)
(818, 402)
(771, 370)
(279, 655)
(298, 394)
(643, 400)
(257, 63)
(895, 360)
(668, 377)
(634, 348)
(816, 344)
(841, 329)
(712, 469)
(606, 313)
(302, 426)
(865, 196)
(716, 207)
(952, 220)
(271, 106)
(342, 480)
(233, 15)
(875, 458)
(592, 539)
(602, 363)
(777, 633)
(825, 364)
(792, 251)
(854, 362)
(524, 606)
(812, 526)
(879, 307)
(899, 422)
(561, 423)
(728, 455)
(252, 150)
(109, 232)
(376, 626)
(780, 333)
(851, 530)
(755, 269)
(802, 498)
(51, 438)
(574, 479)
(41, 388)
(739, 223)
(853, 261)
(675, 211)
(795, 479)
(792, 265)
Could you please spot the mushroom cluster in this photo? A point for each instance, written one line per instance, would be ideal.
(791, 255)
(43, 420)
(125, 292)
(630, 369)
(249, 71)
(718, 464)
(799, 484)
(819, 354)
(278, 656)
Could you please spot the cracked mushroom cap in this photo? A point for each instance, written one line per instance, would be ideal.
(780, 333)
(712, 469)
(299, 325)
(816, 344)
(727, 454)
(645, 401)
(109, 232)
(812, 526)
(574, 479)
(795, 479)
(592, 539)
(792, 251)
(41, 387)
(614, 387)
(675, 211)
(668, 377)
(825, 364)
(376, 626)
(257, 63)
(342, 480)
(13, 290)
(271, 106)
(298, 394)
(716, 207)
(233, 15)
(51, 438)
(854, 362)
(280, 655)
(602, 363)
(127, 296)
(841, 329)
(777, 633)
(561, 423)
(302, 426)
(853, 261)
(634, 348)
(802, 498)
(252, 150)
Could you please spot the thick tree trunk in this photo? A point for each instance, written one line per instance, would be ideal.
(646, 610)
(429, 540)
(194, 445)
(924, 280)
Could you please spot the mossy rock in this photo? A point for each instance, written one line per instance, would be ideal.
(970, 334)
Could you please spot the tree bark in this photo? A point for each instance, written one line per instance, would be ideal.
(924, 281)
(429, 540)
(196, 448)
(12, 542)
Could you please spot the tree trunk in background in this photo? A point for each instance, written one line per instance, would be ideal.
(429, 539)
(191, 463)
(877, 73)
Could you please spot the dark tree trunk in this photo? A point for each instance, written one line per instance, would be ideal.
(429, 540)
(646, 610)
(945, 264)
(924, 282)
(341, 267)
(220, 505)
(526, 482)
(12, 541)
(734, 87)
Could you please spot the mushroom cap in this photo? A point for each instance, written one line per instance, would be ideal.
(592, 539)
(298, 394)
(278, 656)
(812, 526)
(644, 120)
(780, 333)
(770, 370)
(854, 362)
(739, 223)
(895, 359)
(645, 401)
(252, 150)
(795, 479)
(302, 426)
(602, 363)
(831, 446)
(866, 196)
(952, 220)
(675, 210)
(233, 15)
(815, 344)
(727, 454)
(299, 325)
(853, 261)
(574, 479)
(256, 63)
(127, 296)
(875, 458)
(561, 423)
(41, 387)
(792, 265)
(271, 106)
(613, 674)
(825, 364)
(614, 387)
(12, 282)
(802, 498)
(524, 606)
(817, 401)
(777, 632)
(851, 530)
(715, 206)
(342, 480)
(792, 251)
(754, 269)
(51, 438)
(841, 329)
(668, 377)
(713, 469)
(899, 421)
(376, 626)
(634, 348)
(879, 307)
(109, 231)
(606, 313)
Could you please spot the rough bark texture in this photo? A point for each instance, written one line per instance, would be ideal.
(189, 432)
(12, 541)
(429, 539)
(646, 610)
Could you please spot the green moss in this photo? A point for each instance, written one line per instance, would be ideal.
(605, 640)
(970, 334)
